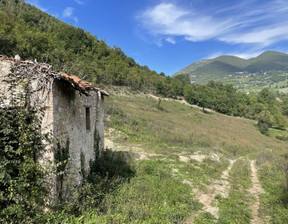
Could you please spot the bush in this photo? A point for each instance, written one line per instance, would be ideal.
(265, 121)
(282, 137)
(106, 174)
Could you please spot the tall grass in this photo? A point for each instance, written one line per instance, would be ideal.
(161, 188)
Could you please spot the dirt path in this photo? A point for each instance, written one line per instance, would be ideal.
(180, 101)
(255, 191)
(135, 151)
(218, 187)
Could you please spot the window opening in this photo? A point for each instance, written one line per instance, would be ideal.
(88, 125)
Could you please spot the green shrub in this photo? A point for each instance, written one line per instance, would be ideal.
(265, 121)
(282, 137)
(107, 173)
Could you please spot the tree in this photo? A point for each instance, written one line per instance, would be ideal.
(280, 121)
(284, 107)
(265, 97)
(265, 121)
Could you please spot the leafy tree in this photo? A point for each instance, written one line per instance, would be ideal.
(176, 87)
(185, 78)
(257, 108)
(32, 34)
(265, 121)
(266, 97)
(280, 121)
(284, 106)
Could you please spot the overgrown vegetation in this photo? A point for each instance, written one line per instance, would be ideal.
(33, 34)
(236, 207)
(106, 174)
(23, 180)
(206, 134)
(159, 190)
(272, 167)
(25, 173)
(61, 157)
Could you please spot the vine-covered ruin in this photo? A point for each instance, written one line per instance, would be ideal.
(74, 112)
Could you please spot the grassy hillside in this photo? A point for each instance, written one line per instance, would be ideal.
(185, 125)
(182, 155)
(268, 70)
(234, 61)
(222, 65)
(268, 61)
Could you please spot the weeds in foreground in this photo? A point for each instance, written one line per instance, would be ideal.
(274, 204)
(203, 173)
(235, 209)
(151, 196)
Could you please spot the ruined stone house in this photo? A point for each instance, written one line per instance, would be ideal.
(74, 109)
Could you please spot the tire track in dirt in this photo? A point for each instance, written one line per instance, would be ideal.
(218, 187)
(255, 191)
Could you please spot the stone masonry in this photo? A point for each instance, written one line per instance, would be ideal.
(74, 112)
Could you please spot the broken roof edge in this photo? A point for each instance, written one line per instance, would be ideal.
(77, 83)
(80, 84)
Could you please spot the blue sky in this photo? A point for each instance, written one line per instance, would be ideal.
(168, 35)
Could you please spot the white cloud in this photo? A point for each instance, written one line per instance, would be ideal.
(68, 12)
(171, 40)
(168, 19)
(75, 19)
(79, 2)
(36, 4)
(56, 15)
(247, 55)
(215, 55)
(244, 55)
(248, 22)
(164, 14)
(264, 36)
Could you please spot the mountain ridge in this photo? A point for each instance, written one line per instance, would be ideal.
(232, 69)
(237, 61)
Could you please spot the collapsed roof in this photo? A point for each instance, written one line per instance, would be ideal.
(77, 83)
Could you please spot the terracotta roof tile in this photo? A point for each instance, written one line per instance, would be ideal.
(77, 83)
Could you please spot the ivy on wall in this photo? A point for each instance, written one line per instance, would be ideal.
(23, 180)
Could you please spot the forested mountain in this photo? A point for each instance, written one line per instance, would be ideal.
(33, 34)
(267, 70)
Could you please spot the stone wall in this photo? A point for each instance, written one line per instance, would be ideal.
(70, 126)
(16, 77)
(4, 71)
(43, 98)
(66, 117)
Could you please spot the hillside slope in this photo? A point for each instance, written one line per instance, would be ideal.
(267, 70)
(231, 171)
(33, 34)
